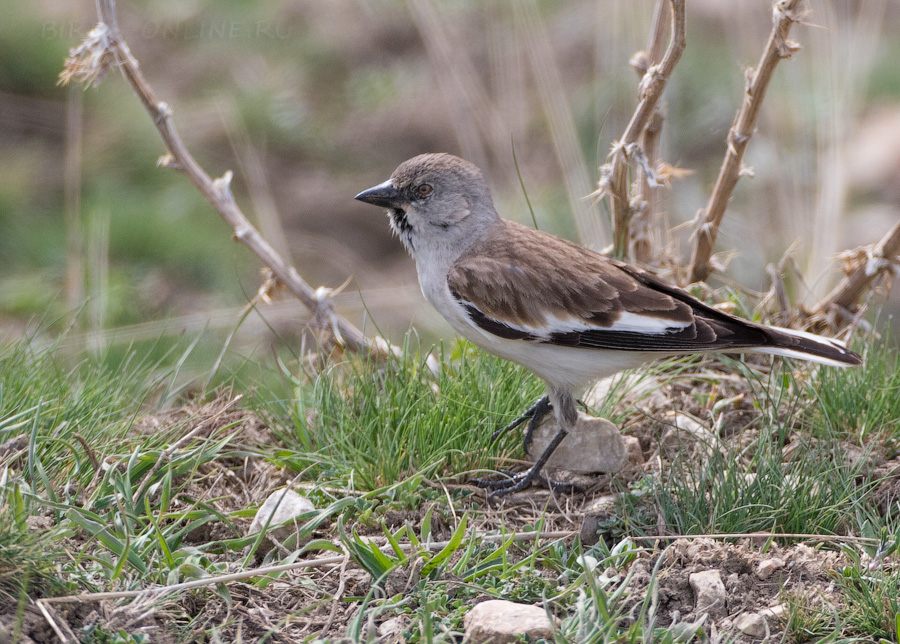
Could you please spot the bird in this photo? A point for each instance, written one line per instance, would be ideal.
(569, 314)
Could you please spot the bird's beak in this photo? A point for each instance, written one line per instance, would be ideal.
(384, 194)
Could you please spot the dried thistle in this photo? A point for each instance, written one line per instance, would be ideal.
(90, 61)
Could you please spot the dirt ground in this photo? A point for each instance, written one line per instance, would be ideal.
(760, 577)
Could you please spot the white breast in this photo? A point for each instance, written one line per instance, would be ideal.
(571, 368)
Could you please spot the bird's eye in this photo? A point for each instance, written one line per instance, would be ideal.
(425, 189)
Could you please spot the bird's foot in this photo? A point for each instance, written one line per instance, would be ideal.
(516, 482)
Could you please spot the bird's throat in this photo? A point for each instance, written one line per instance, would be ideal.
(402, 227)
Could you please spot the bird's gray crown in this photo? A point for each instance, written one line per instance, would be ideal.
(435, 201)
(438, 165)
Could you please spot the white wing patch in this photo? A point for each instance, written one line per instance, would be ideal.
(627, 322)
(637, 323)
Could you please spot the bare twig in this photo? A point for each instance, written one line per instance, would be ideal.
(338, 594)
(626, 151)
(824, 538)
(869, 266)
(647, 187)
(297, 565)
(784, 14)
(89, 62)
(60, 626)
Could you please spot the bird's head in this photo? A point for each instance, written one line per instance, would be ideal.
(435, 200)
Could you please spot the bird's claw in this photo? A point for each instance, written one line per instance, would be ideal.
(519, 481)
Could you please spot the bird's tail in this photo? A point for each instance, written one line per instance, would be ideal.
(808, 346)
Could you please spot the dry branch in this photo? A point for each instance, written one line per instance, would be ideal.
(784, 14)
(89, 62)
(614, 173)
(297, 565)
(647, 187)
(868, 266)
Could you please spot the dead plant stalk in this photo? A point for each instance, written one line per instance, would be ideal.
(784, 14)
(647, 186)
(614, 173)
(89, 62)
(880, 262)
(297, 565)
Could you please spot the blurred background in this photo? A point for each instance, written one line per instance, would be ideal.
(310, 102)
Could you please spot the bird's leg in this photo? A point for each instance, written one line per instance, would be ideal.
(540, 409)
(566, 417)
(537, 411)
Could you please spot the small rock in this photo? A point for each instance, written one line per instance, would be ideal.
(767, 568)
(590, 529)
(752, 624)
(37, 523)
(498, 621)
(601, 509)
(282, 506)
(592, 445)
(392, 630)
(709, 592)
(633, 452)
(773, 611)
(605, 504)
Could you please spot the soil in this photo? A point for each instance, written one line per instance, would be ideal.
(802, 574)
(761, 578)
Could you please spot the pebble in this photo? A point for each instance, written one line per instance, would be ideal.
(282, 506)
(709, 592)
(752, 624)
(392, 630)
(498, 621)
(767, 568)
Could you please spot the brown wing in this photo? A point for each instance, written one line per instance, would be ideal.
(520, 283)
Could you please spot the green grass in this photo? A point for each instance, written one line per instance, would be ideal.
(116, 508)
(814, 490)
(26, 557)
(873, 607)
(862, 404)
(370, 424)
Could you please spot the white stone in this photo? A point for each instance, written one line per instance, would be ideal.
(392, 630)
(284, 506)
(498, 621)
(767, 568)
(752, 624)
(592, 445)
(633, 452)
(709, 593)
(603, 504)
(773, 611)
